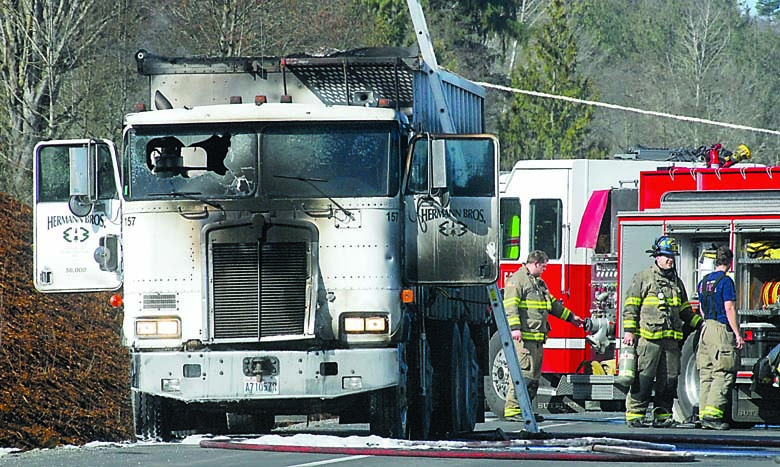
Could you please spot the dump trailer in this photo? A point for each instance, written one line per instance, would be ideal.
(287, 236)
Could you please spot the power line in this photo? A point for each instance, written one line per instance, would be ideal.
(630, 109)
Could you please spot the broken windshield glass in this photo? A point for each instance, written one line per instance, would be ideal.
(211, 161)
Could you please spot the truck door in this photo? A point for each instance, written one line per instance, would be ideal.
(77, 216)
(451, 203)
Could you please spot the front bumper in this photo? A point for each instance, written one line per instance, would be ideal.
(222, 376)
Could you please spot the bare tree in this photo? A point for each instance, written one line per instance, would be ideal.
(270, 27)
(221, 27)
(695, 61)
(41, 42)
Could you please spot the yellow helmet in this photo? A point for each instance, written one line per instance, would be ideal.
(741, 153)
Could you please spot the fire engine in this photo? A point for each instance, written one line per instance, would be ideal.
(568, 209)
(705, 208)
(596, 219)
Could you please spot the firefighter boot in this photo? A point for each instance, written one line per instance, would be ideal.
(714, 424)
(635, 420)
(662, 418)
(519, 418)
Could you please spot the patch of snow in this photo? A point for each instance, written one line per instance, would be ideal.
(6, 451)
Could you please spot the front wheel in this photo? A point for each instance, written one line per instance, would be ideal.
(388, 413)
(498, 380)
(389, 407)
(150, 417)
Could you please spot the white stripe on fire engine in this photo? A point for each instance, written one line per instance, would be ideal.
(559, 343)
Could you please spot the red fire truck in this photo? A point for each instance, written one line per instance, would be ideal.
(596, 219)
(568, 209)
(705, 208)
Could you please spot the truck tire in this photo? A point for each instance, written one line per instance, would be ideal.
(470, 381)
(149, 417)
(498, 379)
(446, 351)
(389, 413)
(686, 407)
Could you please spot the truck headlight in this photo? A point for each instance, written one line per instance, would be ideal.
(365, 324)
(158, 328)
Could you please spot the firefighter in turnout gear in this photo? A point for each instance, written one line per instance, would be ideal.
(718, 354)
(527, 302)
(656, 305)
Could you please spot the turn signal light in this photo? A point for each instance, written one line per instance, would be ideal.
(407, 296)
(115, 301)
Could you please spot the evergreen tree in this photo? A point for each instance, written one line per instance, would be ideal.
(543, 128)
(391, 25)
(768, 8)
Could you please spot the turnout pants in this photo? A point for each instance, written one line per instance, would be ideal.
(658, 366)
(530, 355)
(718, 361)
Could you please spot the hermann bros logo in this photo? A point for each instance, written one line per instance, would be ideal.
(77, 233)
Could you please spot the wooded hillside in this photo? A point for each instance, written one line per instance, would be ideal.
(64, 378)
(706, 59)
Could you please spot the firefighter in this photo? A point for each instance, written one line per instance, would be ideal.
(718, 356)
(527, 302)
(656, 305)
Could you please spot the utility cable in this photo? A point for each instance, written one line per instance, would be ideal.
(630, 109)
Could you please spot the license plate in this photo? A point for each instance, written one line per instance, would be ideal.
(256, 386)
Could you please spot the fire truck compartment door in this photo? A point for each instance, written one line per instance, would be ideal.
(77, 219)
(635, 240)
(451, 223)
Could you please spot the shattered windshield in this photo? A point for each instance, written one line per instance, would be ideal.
(207, 162)
(312, 160)
(330, 160)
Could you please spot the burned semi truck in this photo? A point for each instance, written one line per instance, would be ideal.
(289, 236)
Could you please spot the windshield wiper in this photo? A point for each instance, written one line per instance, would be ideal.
(193, 195)
(311, 181)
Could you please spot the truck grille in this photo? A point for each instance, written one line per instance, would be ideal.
(259, 291)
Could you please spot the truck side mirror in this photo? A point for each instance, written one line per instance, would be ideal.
(83, 182)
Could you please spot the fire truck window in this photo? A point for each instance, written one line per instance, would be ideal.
(510, 228)
(546, 217)
(604, 240)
